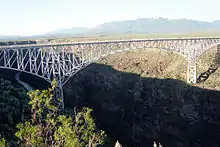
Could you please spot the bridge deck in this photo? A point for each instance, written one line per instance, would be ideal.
(107, 41)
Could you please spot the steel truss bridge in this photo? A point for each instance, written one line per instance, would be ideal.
(62, 61)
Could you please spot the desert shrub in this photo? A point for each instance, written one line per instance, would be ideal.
(49, 126)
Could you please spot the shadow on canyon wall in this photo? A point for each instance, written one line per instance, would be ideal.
(137, 110)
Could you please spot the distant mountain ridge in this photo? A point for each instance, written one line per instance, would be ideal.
(138, 26)
(161, 25)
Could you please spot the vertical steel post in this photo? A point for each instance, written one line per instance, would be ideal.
(58, 94)
(191, 68)
(191, 73)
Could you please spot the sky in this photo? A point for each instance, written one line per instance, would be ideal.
(33, 17)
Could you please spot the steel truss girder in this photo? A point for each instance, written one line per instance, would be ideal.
(61, 61)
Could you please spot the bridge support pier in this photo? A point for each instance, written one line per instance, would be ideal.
(191, 68)
(191, 73)
(59, 95)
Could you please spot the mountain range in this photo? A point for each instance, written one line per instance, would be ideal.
(130, 27)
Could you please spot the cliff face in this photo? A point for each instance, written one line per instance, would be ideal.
(137, 110)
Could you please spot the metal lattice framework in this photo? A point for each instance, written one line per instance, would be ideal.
(61, 61)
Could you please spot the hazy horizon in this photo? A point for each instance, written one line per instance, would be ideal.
(100, 24)
(25, 18)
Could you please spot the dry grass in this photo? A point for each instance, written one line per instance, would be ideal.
(162, 64)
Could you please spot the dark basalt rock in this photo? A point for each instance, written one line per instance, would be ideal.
(138, 111)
